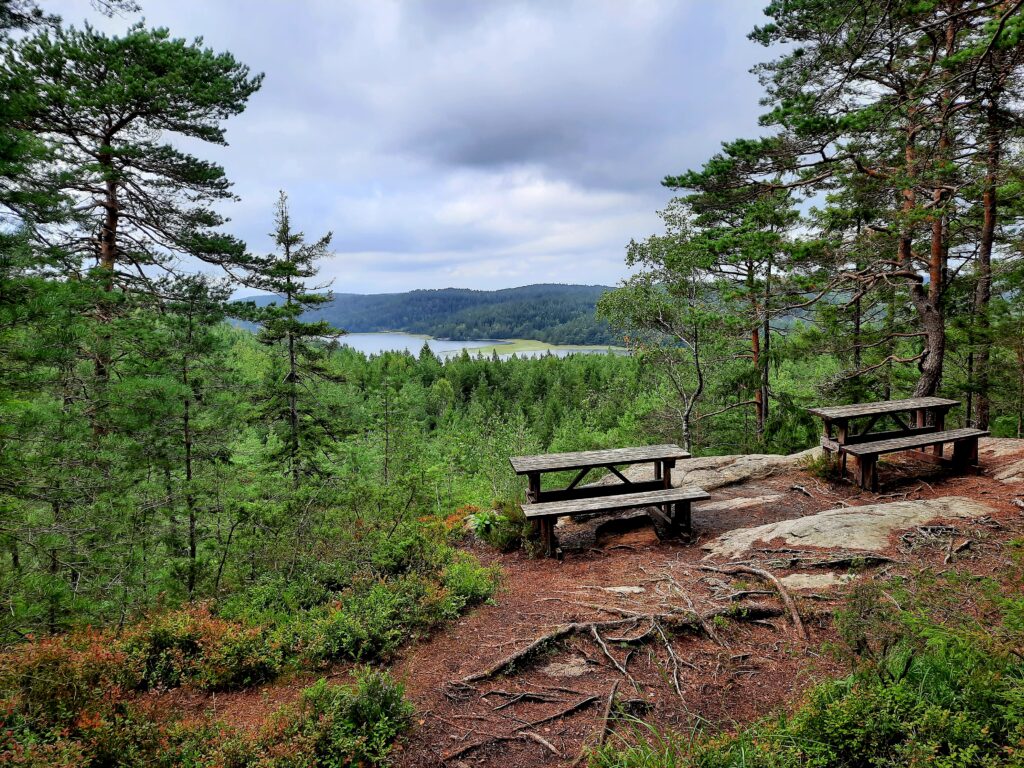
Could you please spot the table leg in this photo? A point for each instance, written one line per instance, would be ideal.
(532, 496)
(939, 416)
(842, 430)
(548, 544)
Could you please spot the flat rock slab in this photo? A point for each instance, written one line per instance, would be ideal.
(828, 580)
(740, 502)
(998, 448)
(863, 528)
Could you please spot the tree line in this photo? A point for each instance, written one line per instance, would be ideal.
(877, 223)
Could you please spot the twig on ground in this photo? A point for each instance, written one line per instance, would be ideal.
(595, 606)
(955, 550)
(527, 696)
(606, 719)
(604, 647)
(543, 742)
(675, 663)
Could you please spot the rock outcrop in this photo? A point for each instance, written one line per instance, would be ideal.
(863, 528)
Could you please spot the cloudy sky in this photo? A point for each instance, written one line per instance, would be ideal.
(470, 143)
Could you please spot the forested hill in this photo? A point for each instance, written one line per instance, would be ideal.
(557, 314)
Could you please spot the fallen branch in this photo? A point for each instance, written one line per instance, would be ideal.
(606, 719)
(777, 583)
(527, 696)
(955, 550)
(675, 663)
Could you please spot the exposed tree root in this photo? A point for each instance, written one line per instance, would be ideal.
(776, 582)
(677, 620)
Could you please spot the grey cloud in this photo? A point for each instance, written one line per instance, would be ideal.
(482, 144)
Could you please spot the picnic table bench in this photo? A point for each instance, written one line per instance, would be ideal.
(923, 430)
(671, 505)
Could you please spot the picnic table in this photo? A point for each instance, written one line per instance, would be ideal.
(847, 431)
(543, 507)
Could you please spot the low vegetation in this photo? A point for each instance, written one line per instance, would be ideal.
(936, 678)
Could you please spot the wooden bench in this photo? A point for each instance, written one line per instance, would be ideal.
(965, 451)
(671, 506)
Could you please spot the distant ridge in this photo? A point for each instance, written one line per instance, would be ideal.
(556, 314)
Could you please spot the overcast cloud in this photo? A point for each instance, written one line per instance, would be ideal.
(470, 143)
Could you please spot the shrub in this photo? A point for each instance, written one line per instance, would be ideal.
(931, 685)
(369, 624)
(504, 528)
(341, 726)
(50, 682)
(192, 646)
(468, 583)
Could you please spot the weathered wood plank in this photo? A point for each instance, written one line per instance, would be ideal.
(595, 491)
(913, 441)
(613, 503)
(882, 407)
(553, 462)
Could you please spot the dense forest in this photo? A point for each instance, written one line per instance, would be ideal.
(556, 314)
(187, 504)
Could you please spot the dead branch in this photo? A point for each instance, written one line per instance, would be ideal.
(675, 663)
(606, 719)
(604, 648)
(955, 550)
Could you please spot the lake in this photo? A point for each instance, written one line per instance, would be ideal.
(376, 343)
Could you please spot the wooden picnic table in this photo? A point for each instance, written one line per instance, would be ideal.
(924, 431)
(663, 457)
(929, 415)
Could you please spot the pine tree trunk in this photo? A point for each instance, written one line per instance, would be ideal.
(983, 290)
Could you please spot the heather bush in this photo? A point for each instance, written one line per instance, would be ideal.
(340, 726)
(193, 646)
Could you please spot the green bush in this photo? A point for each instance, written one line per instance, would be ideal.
(504, 527)
(338, 726)
(467, 583)
(369, 624)
(192, 646)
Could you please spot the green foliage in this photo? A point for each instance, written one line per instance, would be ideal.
(192, 646)
(337, 727)
(332, 725)
(556, 314)
(503, 528)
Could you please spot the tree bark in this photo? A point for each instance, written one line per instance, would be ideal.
(983, 290)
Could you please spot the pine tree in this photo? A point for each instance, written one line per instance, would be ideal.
(291, 404)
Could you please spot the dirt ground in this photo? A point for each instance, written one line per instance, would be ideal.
(551, 706)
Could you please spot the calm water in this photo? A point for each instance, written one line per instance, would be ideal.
(375, 343)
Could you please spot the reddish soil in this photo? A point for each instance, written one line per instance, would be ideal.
(754, 669)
